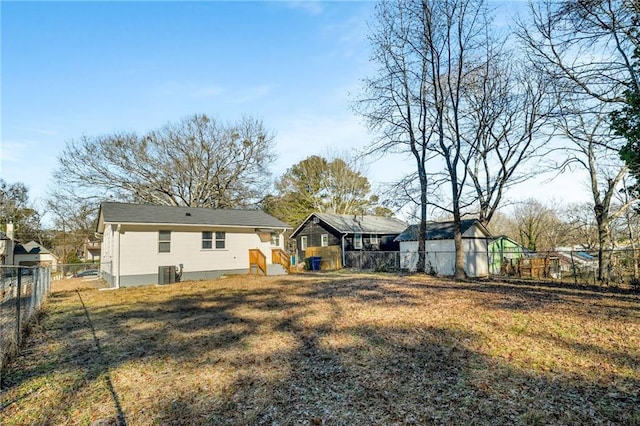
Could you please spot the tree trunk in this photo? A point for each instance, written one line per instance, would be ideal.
(459, 273)
(422, 229)
(604, 239)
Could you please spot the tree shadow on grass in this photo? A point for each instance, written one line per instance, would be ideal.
(329, 371)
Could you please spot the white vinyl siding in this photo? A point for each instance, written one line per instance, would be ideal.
(139, 253)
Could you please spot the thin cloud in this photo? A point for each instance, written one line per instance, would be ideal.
(251, 94)
(207, 92)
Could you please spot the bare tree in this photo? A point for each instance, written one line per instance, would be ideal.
(74, 219)
(586, 49)
(594, 149)
(509, 107)
(196, 162)
(538, 226)
(425, 50)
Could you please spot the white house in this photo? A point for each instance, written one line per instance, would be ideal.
(6, 246)
(440, 248)
(33, 254)
(148, 244)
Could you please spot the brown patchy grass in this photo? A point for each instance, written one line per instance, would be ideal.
(333, 349)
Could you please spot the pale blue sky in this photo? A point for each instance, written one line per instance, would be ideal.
(90, 68)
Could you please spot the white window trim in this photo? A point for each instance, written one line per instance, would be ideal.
(277, 237)
(357, 241)
(164, 241)
(374, 240)
(211, 240)
(216, 239)
(324, 240)
(303, 242)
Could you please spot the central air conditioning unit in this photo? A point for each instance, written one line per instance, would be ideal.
(166, 274)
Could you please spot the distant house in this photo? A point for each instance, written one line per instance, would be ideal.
(91, 251)
(503, 254)
(147, 244)
(33, 254)
(440, 247)
(334, 236)
(578, 261)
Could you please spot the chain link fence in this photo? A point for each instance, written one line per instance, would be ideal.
(22, 292)
(620, 267)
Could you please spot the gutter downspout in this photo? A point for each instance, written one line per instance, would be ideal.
(118, 267)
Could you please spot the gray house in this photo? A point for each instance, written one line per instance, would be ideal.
(147, 244)
(335, 235)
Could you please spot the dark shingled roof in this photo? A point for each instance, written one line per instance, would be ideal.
(350, 224)
(113, 212)
(30, 248)
(436, 230)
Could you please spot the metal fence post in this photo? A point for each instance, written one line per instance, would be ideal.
(18, 303)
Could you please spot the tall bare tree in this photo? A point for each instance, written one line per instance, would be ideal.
(196, 162)
(586, 48)
(509, 108)
(439, 95)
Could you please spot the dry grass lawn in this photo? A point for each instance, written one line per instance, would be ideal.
(334, 349)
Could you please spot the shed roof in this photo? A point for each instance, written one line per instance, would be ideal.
(439, 230)
(113, 212)
(31, 247)
(351, 224)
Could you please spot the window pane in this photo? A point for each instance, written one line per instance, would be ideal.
(207, 235)
(303, 243)
(164, 247)
(220, 237)
(325, 240)
(357, 241)
(164, 235)
(207, 244)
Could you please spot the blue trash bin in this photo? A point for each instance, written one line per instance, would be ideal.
(314, 261)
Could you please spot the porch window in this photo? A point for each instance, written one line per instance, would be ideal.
(220, 240)
(324, 242)
(303, 243)
(374, 239)
(275, 239)
(207, 240)
(357, 241)
(164, 241)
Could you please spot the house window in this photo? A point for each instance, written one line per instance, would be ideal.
(220, 240)
(303, 243)
(374, 239)
(164, 241)
(324, 242)
(357, 241)
(275, 239)
(207, 240)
